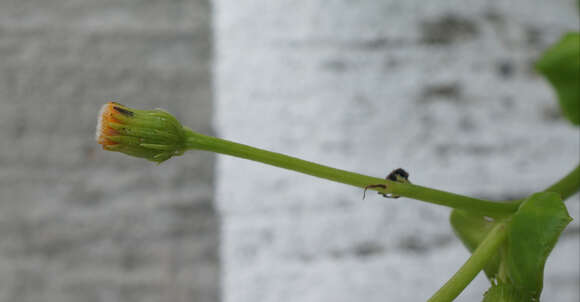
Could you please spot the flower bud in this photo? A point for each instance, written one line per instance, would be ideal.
(151, 134)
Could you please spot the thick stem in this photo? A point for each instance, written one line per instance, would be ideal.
(214, 144)
(209, 143)
(568, 185)
(484, 252)
(483, 207)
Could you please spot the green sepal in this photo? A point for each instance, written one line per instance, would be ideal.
(150, 133)
(154, 119)
(471, 229)
(125, 140)
(136, 151)
(159, 147)
(560, 64)
(533, 232)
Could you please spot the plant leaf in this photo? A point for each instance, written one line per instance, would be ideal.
(471, 230)
(533, 232)
(560, 64)
(503, 292)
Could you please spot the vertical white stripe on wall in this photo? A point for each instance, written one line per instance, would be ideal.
(443, 89)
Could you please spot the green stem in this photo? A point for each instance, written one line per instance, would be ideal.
(484, 252)
(483, 207)
(568, 185)
(218, 145)
(213, 144)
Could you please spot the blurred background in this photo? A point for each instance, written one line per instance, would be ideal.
(81, 224)
(445, 90)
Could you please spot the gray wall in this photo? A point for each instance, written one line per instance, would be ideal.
(80, 224)
(444, 89)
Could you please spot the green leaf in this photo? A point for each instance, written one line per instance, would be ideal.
(471, 230)
(533, 232)
(503, 292)
(560, 64)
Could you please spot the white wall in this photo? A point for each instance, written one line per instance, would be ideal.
(443, 89)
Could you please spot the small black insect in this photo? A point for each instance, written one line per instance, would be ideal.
(398, 175)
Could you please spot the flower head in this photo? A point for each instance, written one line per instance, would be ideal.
(151, 134)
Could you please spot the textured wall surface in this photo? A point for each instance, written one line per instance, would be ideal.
(80, 224)
(444, 89)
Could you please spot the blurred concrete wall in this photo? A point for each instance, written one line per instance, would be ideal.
(80, 224)
(444, 89)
